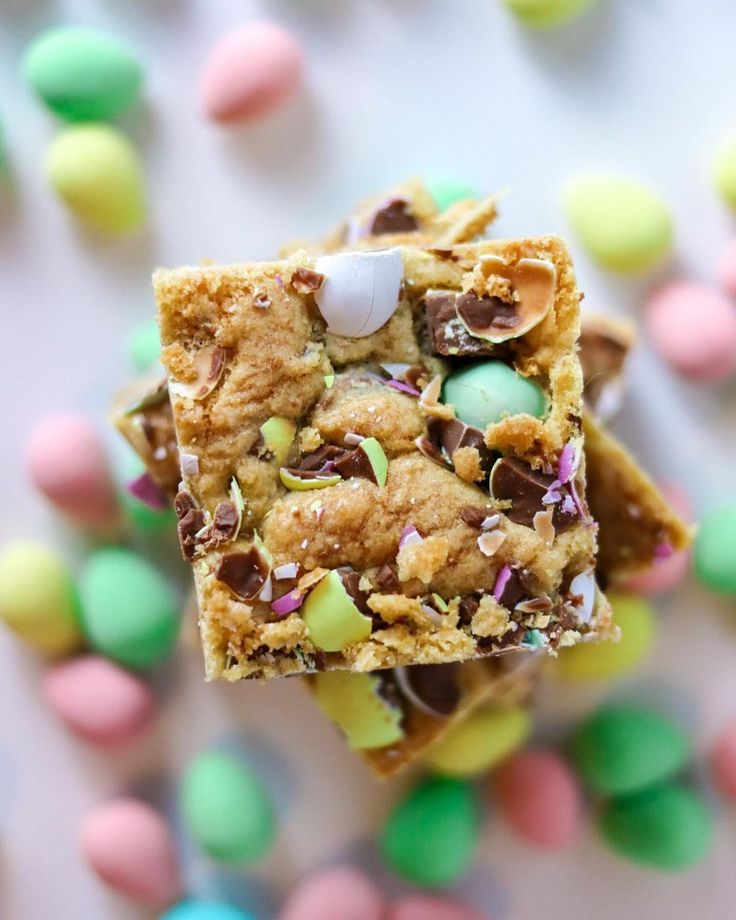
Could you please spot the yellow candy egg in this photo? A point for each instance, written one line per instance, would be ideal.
(606, 660)
(484, 739)
(94, 169)
(38, 599)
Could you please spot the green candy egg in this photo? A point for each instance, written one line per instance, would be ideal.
(668, 827)
(129, 613)
(487, 391)
(715, 551)
(724, 171)
(38, 599)
(81, 74)
(447, 191)
(546, 14)
(144, 346)
(623, 749)
(141, 515)
(479, 742)
(622, 224)
(95, 171)
(354, 703)
(226, 809)
(431, 836)
(331, 617)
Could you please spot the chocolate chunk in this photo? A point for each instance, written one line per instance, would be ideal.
(355, 463)
(306, 281)
(351, 582)
(393, 217)
(430, 450)
(486, 315)
(225, 523)
(412, 375)
(316, 459)
(469, 604)
(474, 516)
(446, 254)
(452, 434)
(184, 502)
(244, 572)
(436, 685)
(515, 589)
(387, 580)
(447, 334)
(188, 527)
(515, 481)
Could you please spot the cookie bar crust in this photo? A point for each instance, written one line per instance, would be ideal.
(246, 344)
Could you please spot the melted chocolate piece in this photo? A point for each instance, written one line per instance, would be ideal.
(393, 217)
(225, 524)
(244, 572)
(351, 582)
(469, 603)
(436, 685)
(486, 315)
(473, 516)
(515, 481)
(315, 460)
(190, 524)
(355, 463)
(447, 334)
(452, 434)
(387, 579)
(306, 281)
(430, 451)
(515, 589)
(184, 502)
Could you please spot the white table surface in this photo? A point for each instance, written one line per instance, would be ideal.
(395, 87)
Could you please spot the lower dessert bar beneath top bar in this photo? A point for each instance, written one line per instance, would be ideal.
(382, 456)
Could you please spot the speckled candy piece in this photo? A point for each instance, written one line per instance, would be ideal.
(335, 893)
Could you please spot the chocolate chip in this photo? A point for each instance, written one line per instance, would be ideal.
(452, 434)
(447, 334)
(393, 217)
(244, 572)
(515, 481)
(484, 315)
(225, 523)
(436, 685)
(306, 281)
(188, 527)
(351, 582)
(515, 589)
(469, 604)
(387, 579)
(474, 516)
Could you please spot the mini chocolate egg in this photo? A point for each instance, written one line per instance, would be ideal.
(622, 749)
(485, 392)
(547, 14)
(723, 760)
(715, 551)
(226, 809)
(99, 701)
(82, 74)
(66, 461)
(431, 835)
(335, 893)
(332, 617)
(129, 612)
(361, 290)
(421, 907)
(667, 827)
(38, 599)
(622, 224)
(94, 170)
(539, 797)
(355, 703)
(609, 659)
(480, 741)
(447, 191)
(129, 845)
(204, 910)
(253, 69)
(694, 329)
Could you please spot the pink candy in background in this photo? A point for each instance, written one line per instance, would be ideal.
(130, 847)
(538, 795)
(98, 700)
(694, 329)
(667, 573)
(727, 269)
(723, 760)
(335, 893)
(66, 461)
(420, 907)
(253, 69)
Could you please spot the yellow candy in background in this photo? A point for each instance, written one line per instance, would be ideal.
(95, 171)
(38, 598)
(484, 739)
(606, 660)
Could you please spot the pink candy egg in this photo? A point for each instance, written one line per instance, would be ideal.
(694, 329)
(539, 797)
(250, 71)
(427, 908)
(336, 893)
(130, 847)
(66, 461)
(723, 760)
(727, 269)
(98, 700)
(667, 573)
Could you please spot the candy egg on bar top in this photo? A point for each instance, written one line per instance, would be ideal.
(360, 291)
(335, 893)
(332, 617)
(38, 598)
(356, 704)
(487, 391)
(278, 435)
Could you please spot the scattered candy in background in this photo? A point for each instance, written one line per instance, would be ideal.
(547, 14)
